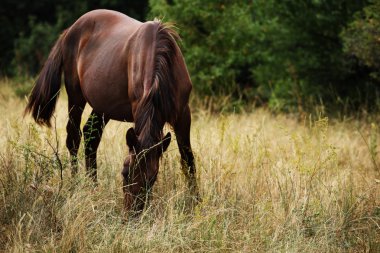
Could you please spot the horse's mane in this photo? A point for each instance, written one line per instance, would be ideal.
(157, 105)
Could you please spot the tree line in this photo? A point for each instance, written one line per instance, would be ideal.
(286, 54)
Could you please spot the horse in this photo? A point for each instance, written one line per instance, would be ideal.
(125, 70)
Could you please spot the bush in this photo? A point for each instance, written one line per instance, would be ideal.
(284, 53)
(31, 50)
(218, 41)
(362, 38)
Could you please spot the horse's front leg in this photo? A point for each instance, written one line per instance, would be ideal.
(182, 131)
(74, 134)
(93, 131)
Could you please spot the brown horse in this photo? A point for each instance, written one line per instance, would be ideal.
(127, 71)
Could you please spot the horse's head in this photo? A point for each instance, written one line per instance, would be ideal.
(140, 169)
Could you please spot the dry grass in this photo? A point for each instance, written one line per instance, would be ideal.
(269, 184)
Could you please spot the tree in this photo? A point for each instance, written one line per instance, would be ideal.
(282, 51)
(306, 53)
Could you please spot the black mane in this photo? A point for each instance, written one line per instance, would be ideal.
(156, 106)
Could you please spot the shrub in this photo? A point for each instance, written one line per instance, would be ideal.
(218, 41)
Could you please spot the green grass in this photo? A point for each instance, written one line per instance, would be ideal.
(269, 183)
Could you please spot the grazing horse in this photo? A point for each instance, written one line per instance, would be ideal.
(126, 71)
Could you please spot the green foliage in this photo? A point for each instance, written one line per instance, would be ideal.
(362, 37)
(22, 85)
(31, 50)
(284, 54)
(304, 58)
(218, 41)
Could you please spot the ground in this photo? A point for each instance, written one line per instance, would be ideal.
(269, 183)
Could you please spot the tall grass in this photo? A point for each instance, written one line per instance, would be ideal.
(269, 183)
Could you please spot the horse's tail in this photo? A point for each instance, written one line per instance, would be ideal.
(43, 98)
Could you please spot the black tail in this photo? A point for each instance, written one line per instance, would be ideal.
(46, 89)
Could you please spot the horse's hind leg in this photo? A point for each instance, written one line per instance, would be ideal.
(74, 134)
(182, 131)
(93, 131)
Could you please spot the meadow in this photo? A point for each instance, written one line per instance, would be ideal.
(269, 183)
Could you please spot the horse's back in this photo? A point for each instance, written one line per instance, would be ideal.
(98, 42)
(101, 35)
(112, 57)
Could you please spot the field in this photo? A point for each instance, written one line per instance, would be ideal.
(269, 183)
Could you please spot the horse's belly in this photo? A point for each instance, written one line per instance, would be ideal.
(110, 99)
(119, 111)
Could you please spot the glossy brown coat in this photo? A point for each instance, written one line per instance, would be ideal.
(126, 71)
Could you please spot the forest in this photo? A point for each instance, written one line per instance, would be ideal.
(289, 56)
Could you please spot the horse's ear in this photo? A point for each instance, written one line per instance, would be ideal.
(131, 138)
(165, 142)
